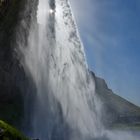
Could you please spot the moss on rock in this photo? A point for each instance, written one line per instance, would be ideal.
(7, 132)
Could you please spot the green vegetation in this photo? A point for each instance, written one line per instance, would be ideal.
(134, 127)
(7, 132)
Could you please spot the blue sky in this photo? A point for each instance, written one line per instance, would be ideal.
(110, 31)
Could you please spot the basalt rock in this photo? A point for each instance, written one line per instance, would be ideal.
(15, 85)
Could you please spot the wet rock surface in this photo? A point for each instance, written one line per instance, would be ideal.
(14, 83)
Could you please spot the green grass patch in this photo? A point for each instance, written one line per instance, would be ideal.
(126, 127)
(10, 133)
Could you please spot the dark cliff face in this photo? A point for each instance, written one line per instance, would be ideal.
(115, 110)
(14, 84)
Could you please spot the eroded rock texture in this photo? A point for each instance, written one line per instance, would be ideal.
(15, 86)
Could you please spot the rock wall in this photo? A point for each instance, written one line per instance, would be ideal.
(15, 86)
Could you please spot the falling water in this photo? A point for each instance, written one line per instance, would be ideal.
(64, 107)
(56, 61)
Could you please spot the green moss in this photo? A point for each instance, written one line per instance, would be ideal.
(10, 133)
(135, 127)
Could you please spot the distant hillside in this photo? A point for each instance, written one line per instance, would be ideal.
(115, 109)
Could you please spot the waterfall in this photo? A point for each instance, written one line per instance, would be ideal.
(65, 104)
(56, 61)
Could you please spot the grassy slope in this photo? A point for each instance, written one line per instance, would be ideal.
(134, 127)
